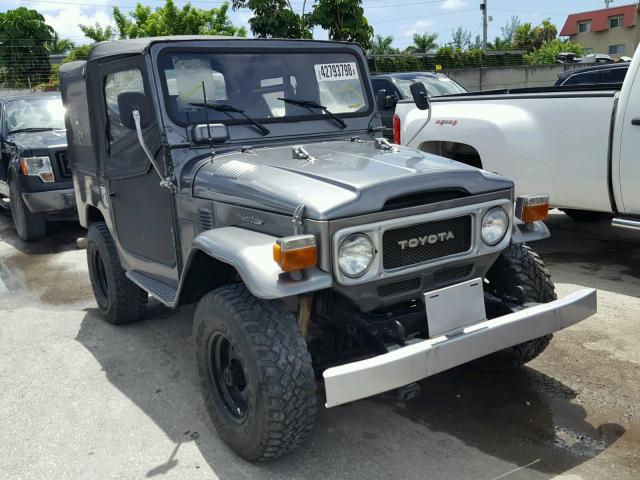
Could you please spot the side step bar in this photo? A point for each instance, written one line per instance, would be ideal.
(632, 224)
(163, 292)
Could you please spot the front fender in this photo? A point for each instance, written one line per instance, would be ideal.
(251, 254)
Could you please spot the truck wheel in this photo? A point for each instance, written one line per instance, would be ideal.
(255, 372)
(519, 272)
(118, 298)
(30, 227)
(587, 216)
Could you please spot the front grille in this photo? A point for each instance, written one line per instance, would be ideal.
(450, 274)
(63, 164)
(396, 288)
(419, 243)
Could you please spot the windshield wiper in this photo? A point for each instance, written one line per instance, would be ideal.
(221, 107)
(310, 105)
(34, 129)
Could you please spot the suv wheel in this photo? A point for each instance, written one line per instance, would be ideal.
(255, 372)
(118, 298)
(30, 227)
(519, 272)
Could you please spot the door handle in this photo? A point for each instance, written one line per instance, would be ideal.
(635, 121)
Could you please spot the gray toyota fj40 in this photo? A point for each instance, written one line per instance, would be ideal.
(246, 175)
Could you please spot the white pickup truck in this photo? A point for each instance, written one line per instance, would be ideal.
(579, 145)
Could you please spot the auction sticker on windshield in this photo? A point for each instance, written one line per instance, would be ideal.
(328, 72)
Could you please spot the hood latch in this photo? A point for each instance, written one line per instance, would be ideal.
(297, 218)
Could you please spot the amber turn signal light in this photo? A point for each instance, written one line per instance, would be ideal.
(295, 253)
(532, 208)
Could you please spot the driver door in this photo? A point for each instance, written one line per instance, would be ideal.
(142, 211)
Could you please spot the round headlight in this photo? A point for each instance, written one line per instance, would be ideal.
(495, 224)
(355, 255)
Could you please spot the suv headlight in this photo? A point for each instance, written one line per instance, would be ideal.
(355, 255)
(37, 166)
(495, 225)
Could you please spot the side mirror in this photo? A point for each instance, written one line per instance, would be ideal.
(381, 96)
(130, 101)
(420, 95)
(212, 133)
(384, 101)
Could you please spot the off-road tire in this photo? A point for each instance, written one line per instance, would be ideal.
(279, 379)
(122, 301)
(30, 227)
(587, 216)
(519, 273)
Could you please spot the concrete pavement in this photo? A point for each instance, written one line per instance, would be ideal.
(83, 399)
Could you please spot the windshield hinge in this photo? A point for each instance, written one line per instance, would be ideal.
(297, 218)
(383, 144)
(300, 153)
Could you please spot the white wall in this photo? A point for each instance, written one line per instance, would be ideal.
(522, 76)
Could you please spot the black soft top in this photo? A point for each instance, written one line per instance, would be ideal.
(141, 45)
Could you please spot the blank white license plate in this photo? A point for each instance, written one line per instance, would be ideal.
(452, 308)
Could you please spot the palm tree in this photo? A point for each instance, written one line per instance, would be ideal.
(381, 45)
(500, 45)
(526, 37)
(423, 43)
(546, 32)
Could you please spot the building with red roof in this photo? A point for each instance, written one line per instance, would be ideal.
(614, 30)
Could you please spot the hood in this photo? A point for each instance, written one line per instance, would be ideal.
(342, 179)
(38, 140)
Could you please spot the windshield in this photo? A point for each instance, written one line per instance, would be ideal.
(256, 83)
(436, 86)
(34, 113)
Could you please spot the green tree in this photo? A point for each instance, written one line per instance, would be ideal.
(98, 33)
(460, 38)
(546, 31)
(379, 45)
(548, 52)
(343, 19)
(171, 20)
(276, 18)
(500, 45)
(59, 45)
(509, 28)
(24, 59)
(423, 43)
(526, 38)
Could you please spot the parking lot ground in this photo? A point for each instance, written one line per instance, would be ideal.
(82, 399)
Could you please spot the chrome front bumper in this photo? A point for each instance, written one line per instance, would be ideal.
(357, 380)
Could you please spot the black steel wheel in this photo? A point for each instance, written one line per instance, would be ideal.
(228, 375)
(518, 274)
(255, 373)
(118, 298)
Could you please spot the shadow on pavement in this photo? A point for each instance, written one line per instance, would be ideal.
(466, 424)
(61, 236)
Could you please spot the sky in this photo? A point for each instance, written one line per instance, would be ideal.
(398, 18)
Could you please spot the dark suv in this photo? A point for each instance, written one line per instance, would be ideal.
(246, 175)
(34, 173)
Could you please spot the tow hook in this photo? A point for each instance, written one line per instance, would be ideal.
(408, 392)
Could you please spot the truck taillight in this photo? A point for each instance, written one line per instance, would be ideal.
(396, 129)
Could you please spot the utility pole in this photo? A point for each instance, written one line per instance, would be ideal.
(485, 24)
(608, 2)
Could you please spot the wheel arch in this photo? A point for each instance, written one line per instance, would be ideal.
(237, 254)
(459, 151)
